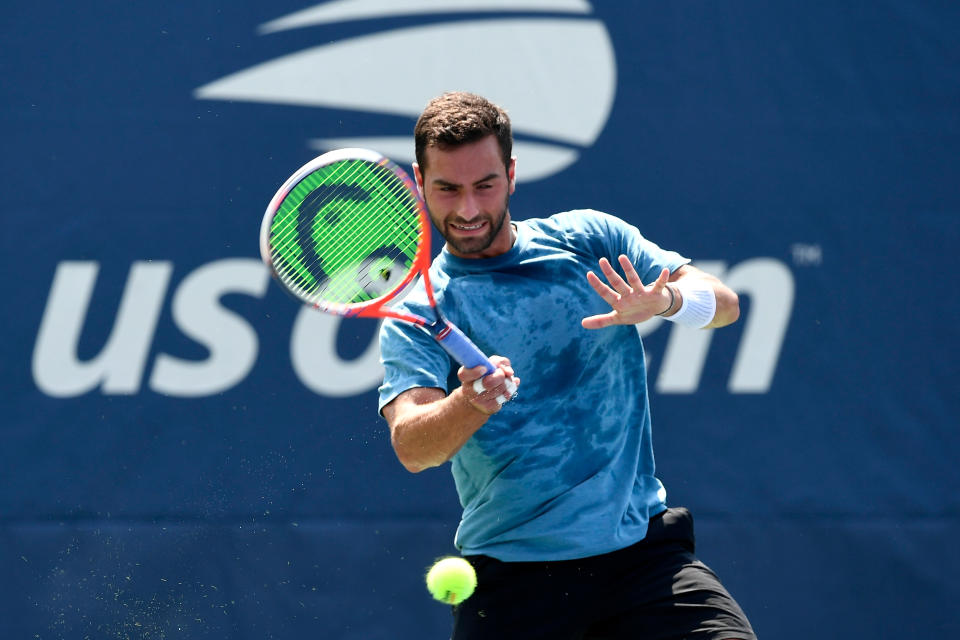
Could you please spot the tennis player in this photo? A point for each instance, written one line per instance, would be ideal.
(564, 520)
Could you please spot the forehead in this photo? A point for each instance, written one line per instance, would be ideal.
(465, 163)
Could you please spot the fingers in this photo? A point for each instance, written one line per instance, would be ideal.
(633, 278)
(501, 362)
(488, 392)
(618, 287)
(609, 296)
(494, 386)
(662, 279)
(599, 321)
(509, 385)
(618, 283)
(632, 283)
(630, 300)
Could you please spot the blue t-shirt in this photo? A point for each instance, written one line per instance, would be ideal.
(566, 469)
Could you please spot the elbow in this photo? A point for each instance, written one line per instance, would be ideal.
(416, 466)
(402, 449)
(728, 308)
(409, 462)
(411, 465)
(416, 463)
(734, 307)
(408, 457)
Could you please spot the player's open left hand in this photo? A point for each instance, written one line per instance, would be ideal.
(630, 300)
(487, 393)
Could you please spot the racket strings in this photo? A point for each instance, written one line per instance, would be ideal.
(379, 219)
(382, 231)
(287, 255)
(376, 267)
(292, 206)
(292, 211)
(347, 261)
(307, 187)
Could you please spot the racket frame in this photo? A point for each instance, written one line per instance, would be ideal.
(448, 335)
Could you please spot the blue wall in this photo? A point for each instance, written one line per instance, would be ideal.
(184, 453)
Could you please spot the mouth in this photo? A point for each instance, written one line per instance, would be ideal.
(471, 228)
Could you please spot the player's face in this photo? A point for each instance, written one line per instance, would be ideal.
(467, 191)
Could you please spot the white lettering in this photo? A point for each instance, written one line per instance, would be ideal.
(232, 343)
(118, 368)
(770, 286)
(313, 351)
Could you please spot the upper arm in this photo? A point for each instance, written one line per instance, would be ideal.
(688, 271)
(412, 359)
(408, 400)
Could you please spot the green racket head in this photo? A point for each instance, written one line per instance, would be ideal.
(346, 231)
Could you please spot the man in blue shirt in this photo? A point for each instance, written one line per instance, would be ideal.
(563, 517)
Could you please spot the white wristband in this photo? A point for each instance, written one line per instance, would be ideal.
(699, 304)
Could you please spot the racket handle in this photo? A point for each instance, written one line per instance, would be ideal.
(458, 345)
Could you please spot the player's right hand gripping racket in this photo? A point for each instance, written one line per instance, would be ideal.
(347, 233)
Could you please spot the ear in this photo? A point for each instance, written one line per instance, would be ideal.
(418, 177)
(512, 174)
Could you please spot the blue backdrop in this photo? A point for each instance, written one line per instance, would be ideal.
(186, 454)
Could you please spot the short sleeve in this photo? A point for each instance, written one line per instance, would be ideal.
(604, 235)
(411, 358)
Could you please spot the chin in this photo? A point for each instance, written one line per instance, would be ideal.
(471, 246)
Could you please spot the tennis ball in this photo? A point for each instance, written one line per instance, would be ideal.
(451, 580)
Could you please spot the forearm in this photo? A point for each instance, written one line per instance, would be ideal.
(426, 434)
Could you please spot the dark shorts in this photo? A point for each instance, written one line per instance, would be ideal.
(653, 590)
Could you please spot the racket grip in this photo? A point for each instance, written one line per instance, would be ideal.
(459, 346)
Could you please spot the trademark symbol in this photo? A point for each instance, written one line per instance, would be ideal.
(806, 255)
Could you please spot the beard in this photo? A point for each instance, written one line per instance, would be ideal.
(475, 244)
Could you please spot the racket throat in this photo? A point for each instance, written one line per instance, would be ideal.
(440, 330)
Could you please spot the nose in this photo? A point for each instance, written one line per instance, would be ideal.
(469, 208)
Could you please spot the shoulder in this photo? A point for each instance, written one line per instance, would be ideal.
(587, 230)
(576, 221)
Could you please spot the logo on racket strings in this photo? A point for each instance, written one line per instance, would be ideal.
(346, 233)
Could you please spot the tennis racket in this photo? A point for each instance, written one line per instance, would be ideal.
(347, 233)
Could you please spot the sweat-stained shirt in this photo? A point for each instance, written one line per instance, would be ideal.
(566, 469)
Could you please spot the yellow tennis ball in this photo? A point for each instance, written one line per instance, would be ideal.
(451, 580)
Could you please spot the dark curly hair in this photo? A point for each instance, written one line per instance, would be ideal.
(457, 118)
